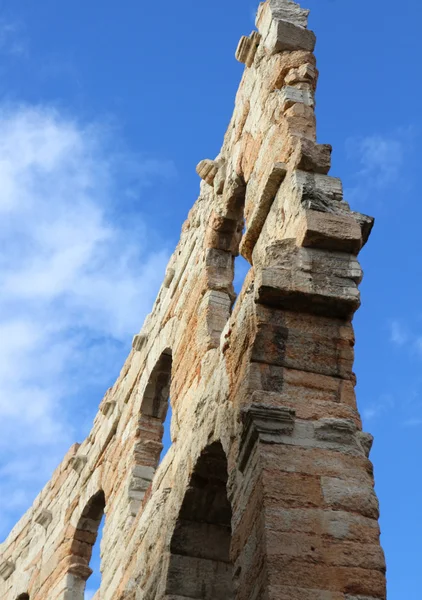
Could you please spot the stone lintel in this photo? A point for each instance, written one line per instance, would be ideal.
(44, 518)
(266, 424)
(7, 568)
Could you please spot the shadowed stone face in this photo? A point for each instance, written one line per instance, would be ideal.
(267, 490)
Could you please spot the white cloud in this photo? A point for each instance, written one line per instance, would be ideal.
(384, 403)
(12, 39)
(379, 160)
(77, 276)
(399, 334)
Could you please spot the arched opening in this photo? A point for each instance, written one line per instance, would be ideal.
(83, 543)
(23, 597)
(152, 422)
(200, 565)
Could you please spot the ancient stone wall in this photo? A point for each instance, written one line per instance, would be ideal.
(267, 489)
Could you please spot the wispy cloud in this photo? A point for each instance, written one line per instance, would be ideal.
(379, 161)
(13, 40)
(378, 408)
(408, 337)
(398, 333)
(77, 276)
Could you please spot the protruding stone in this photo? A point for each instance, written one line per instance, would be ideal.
(78, 462)
(280, 34)
(207, 170)
(328, 231)
(138, 342)
(366, 441)
(44, 518)
(340, 431)
(366, 224)
(7, 568)
(306, 73)
(247, 48)
(287, 10)
(170, 273)
(310, 281)
(80, 570)
(266, 424)
(107, 407)
(310, 156)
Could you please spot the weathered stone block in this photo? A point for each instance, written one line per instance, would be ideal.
(345, 495)
(207, 170)
(247, 48)
(7, 568)
(44, 518)
(259, 210)
(311, 281)
(138, 342)
(329, 232)
(265, 424)
(310, 156)
(78, 463)
(290, 95)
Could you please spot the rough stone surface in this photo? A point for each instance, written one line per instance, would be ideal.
(267, 490)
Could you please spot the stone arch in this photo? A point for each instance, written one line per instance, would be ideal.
(84, 538)
(148, 446)
(200, 563)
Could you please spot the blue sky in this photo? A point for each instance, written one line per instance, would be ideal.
(105, 109)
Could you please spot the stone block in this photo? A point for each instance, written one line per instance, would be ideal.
(7, 568)
(365, 441)
(207, 170)
(341, 431)
(247, 47)
(329, 232)
(340, 494)
(310, 156)
(107, 407)
(290, 11)
(138, 341)
(259, 211)
(170, 273)
(290, 95)
(282, 25)
(311, 281)
(265, 424)
(283, 35)
(306, 73)
(44, 518)
(78, 463)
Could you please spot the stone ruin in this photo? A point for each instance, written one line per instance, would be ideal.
(267, 490)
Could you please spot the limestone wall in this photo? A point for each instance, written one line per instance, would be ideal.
(267, 489)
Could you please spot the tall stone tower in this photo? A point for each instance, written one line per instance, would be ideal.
(267, 490)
